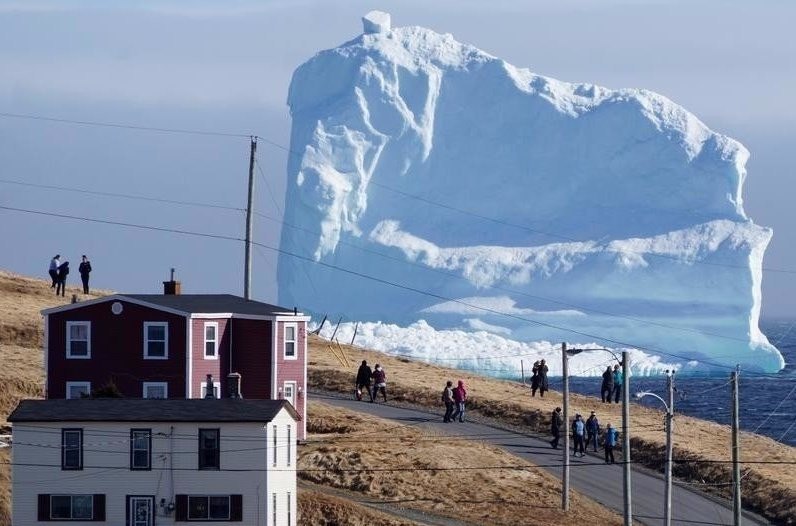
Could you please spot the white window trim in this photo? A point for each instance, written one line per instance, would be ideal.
(165, 325)
(285, 340)
(216, 388)
(69, 385)
(69, 325)
(204, 338)
(164, 385)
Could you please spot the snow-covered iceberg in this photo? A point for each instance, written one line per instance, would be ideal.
(480, 195)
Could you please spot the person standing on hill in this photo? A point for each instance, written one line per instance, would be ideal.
(460, 397)
(611, 438)
(84, 269)
(60, 285)
(450, 403)
(54, 264)
(363, 380)
(379, 383)
(592, 430)
(535, 378)
(618, 379)
(555, 427)
(578, 433)
(542, 378)
(607, 388)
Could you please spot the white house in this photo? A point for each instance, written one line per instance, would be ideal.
(147, 462)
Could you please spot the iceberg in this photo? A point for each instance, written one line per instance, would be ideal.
(432, 181)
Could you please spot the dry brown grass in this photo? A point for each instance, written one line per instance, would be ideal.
(318, 509)
(343, 445)
(769, 489)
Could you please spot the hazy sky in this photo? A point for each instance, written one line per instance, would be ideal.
(226, 66)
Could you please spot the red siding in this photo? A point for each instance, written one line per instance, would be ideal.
(117, 343)
(251, 356)
(293, 370)
(202, 366)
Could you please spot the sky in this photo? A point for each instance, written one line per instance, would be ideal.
(226, 67)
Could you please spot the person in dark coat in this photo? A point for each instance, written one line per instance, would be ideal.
(460, 397)
(84, 269)
(63, 271)
(54, 264)
(555, 427)
(363, 380)
(607, 387)
(450, 404)
(592, 430)
(542, 378)
(379, 382)
(535, 378)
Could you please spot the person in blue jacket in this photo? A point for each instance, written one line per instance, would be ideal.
(611, 438)
(618, 379)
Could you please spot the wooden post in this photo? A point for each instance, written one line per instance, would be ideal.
(247, 270)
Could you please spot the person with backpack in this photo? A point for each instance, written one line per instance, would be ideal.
(611, 439)
(592, 430)
(578, 432)
(555, 427)
(84, 269)
(363, 381)
(607, 387)
(379, 383)
(60, 285)
(460, 397)
(447, 399)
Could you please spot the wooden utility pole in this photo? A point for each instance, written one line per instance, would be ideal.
(565, 474)
(736, 468)
(247, 270)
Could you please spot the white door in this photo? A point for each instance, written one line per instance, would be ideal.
(290, 392)
(142, 511)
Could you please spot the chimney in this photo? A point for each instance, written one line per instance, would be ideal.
(233, 385)
(172, 288)
(209, 391)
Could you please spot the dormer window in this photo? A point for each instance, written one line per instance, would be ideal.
(156, 340)
(211, 340)
(290, 341)
(78, 339)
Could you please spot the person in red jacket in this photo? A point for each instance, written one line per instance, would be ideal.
(460, 397)
(379, 383)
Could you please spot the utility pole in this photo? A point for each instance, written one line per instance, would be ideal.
(667, 514)
(565, 474)
(247, 270)
(736, 468)
(628, 511)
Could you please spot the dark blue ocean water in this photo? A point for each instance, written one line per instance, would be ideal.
(767, 403)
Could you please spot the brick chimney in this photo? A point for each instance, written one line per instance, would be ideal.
(233, 385)
(171, 287)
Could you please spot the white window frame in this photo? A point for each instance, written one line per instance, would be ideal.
(276, 444)
(289, 446)
(216, 389)
(69, 326)
(213, 356)
(164, 385)
(285, 327)
(70, 385)
(165, 325)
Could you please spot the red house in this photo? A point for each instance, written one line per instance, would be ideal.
(165, 346)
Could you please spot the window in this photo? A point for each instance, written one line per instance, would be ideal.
(209, 449)
(71, 449)
(289, 449)
(289, 507)
(275, 445)
(290, 341)
(216, 389)
(208, 508)
(78, 339)
(140, 449)
(211, 340)
(72, 507)
(156, 390)
(156, 340)
(274, 506)
(77, 390)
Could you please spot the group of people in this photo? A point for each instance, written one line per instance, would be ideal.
(59, 271)
(364, 377)
(539, 378)
(584, 433)
(454, 399)
(612, 384)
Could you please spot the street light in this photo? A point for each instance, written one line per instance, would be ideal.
(625, 363)
(667, 511)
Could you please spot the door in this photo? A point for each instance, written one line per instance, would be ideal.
(140, 511)
(290, 393)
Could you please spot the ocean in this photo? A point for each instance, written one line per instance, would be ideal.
(767, 403)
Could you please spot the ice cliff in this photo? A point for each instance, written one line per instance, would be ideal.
(516, 204)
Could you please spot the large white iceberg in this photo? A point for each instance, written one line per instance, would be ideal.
(483, 196)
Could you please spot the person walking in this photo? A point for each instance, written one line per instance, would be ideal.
(363, 380)
(592, 430)
(60, 285)
(543, 386)
(611, 438)
(379, 383)
(84, 269)
(607, 387)
(54, 264)
(460, 397)
(618, 379)
(450, 404)
(535, 378)
(578, 433)
(555, 427)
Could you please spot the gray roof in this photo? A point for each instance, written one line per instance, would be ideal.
(200, 303)
(149, 410)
